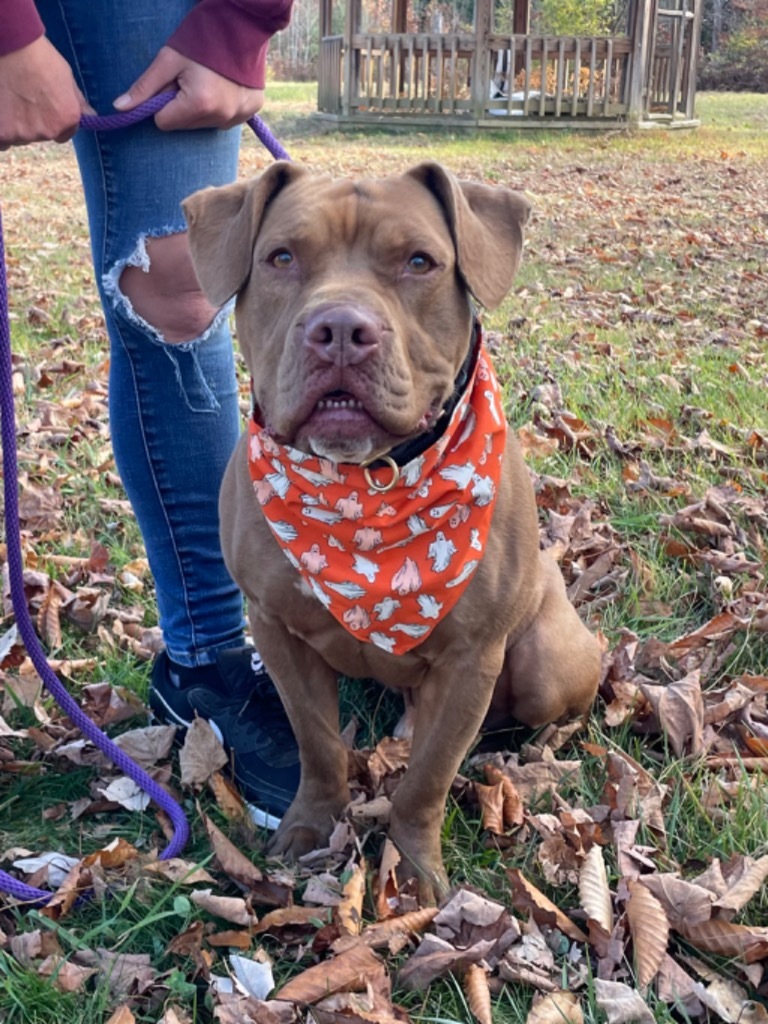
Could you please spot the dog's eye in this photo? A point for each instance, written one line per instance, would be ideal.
(420, 263)
(280, 258)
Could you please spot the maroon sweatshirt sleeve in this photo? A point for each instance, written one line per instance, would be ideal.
(20, 25)
(231, 36)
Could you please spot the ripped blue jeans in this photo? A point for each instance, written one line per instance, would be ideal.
(173, 405)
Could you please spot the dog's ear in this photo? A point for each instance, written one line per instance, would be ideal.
(223, 225)
(486, 222)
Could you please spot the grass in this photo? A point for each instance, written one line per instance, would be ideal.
(640, 299)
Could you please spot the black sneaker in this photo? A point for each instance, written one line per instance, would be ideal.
(239, 701)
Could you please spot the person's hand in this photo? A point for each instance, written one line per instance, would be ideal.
(205, 99)
(39, 99)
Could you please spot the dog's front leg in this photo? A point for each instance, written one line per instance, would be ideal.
(450, 709)
(308, 687)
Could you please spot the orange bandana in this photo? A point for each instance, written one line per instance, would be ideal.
(389, 560)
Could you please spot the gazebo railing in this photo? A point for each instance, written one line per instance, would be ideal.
(422, 74)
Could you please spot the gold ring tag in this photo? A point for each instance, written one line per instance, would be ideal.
(381, 488)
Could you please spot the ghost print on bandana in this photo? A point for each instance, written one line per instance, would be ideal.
(389, 566)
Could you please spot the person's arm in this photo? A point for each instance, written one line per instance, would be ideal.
(39, 99)
(216, 58)
(20, 25)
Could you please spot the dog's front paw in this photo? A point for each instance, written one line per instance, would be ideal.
(295, 841)
(302, 831)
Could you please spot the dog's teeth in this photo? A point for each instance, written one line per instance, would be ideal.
(339, 403)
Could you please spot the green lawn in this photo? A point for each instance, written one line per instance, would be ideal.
(633, 357)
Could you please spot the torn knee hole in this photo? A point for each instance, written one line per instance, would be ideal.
(159, 286)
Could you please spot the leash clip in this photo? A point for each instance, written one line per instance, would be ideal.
(374, 486)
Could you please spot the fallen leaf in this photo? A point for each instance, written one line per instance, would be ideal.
(346, 971)
(743, 883)
(291, 917)
(680, 709)
(478, 993)
(349, 911)
(127, 793)
(513, 808)
(255, 976)
(621, 1004)
(683, 902)
(387, 890)
(378, 936)
(527, 897)
(556, 1008)
(201, 754)
(649, 928)
(491, 800)
(122, 1016)
(179, 871)
(148, 745)
(229, 908)
(727, 939)
(593, 889)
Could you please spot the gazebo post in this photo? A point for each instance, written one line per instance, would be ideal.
(639, 30)
(480, 76)
(351, 24)
(521, 26)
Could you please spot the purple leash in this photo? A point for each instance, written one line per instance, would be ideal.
(107, 122)
(28, 893)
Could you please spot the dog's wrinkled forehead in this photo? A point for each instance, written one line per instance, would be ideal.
(379, 215)
(485, 222)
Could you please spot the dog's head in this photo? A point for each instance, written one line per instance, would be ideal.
(354, 297)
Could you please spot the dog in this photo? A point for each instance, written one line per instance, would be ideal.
(377, 515)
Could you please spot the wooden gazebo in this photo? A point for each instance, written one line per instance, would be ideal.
(642, 75)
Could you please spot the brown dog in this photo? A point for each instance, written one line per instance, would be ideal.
(355, 318)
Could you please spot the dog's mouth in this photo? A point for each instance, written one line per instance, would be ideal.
(338, 404)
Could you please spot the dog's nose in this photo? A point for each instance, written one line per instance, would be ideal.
(342, 334)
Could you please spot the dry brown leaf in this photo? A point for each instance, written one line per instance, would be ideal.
(727, 939)
(174, 1015)
(731, 1002)
(179, 871)
(478, 993)
(149, 745)
(532, 780)
(231, 939)
(77, 882)
(682, 901)
(743, 883)
(230, 802)
(49, 619)
(66, 976)
(349, 911)
(556, 1008)
(491, 800)
(528, 897)
(377, 936)
(391, 755)
(232, 861)
(622, 1004)
(201, 754)
(291, 917)
(649, 927)
(679, 707)
(593, 889)
(387, 890)
(674, 985)
(123, 973)
(346, 972)
(513, 809)
(229, 908)
(122, 1016)
(188, 942)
